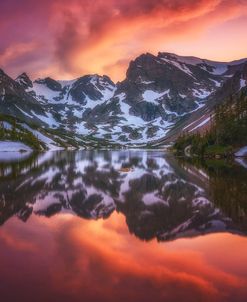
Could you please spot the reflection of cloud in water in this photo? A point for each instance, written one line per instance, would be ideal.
(99, 260)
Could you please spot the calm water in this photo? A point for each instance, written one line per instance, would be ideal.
(121, 226)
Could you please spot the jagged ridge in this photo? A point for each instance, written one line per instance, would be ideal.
(158, 93)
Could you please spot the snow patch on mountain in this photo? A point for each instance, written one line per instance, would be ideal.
(22, 111)
(153, 96)
(11, 146)
(45, 93)
(201, 93)
(219, 68)
(179, 65)
(48, 119)
(50, 144)
(201, 124)
(107, 90)
(242, 83)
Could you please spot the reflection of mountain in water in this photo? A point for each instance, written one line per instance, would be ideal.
(158, 197)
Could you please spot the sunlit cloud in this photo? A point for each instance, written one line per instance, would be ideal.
(103, 36)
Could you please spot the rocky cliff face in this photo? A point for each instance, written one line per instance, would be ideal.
(17, 102)
(24, 80)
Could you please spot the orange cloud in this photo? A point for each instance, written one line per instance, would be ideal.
(102, 36)
(109, 39)
(16, 51)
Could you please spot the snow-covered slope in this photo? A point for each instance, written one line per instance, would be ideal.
(17, 102)
(216, 68)
(10, 146)
(86, 91)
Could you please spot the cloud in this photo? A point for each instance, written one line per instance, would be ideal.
(89, 36)
(16, 51)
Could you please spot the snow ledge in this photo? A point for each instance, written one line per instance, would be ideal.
(10, 146)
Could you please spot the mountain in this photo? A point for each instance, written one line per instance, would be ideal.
(200, 120)
(160, 96)
(157, 93)
(15, 101)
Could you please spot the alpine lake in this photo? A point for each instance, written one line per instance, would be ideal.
(127, 225)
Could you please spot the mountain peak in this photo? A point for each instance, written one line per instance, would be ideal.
(50, 83)
(24, 80)
(23, 75)
(2, 73)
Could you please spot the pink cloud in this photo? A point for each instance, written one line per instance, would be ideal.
(88, 37)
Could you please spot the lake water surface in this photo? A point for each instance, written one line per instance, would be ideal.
(121, 226)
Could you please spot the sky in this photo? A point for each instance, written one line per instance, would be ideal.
(67, 39)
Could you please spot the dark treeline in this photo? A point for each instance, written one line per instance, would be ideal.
(14, 132)
(228, 130)
(227, 186)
